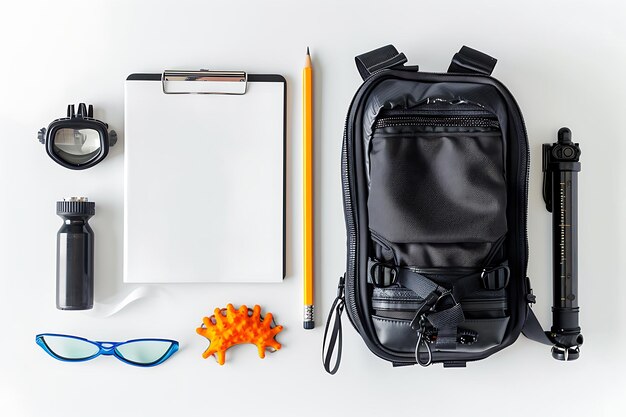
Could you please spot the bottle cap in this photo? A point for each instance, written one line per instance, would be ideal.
(76, 206)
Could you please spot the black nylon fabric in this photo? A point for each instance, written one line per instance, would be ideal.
(437, 188)
(387, 337)
(395, 94)
(442, 254)
(437, 184)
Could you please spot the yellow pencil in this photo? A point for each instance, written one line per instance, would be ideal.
(307, 145)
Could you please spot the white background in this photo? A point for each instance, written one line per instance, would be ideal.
(563, 60)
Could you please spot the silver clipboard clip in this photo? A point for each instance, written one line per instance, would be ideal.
(204, 82)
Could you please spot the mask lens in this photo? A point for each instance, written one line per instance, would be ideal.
(70, 348)
(144, 352)
(77, 146)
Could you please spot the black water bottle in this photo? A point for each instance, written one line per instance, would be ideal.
(75, 252)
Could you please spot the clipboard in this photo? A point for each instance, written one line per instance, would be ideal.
(204, 177)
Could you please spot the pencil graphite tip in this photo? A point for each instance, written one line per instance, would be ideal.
(307, 51)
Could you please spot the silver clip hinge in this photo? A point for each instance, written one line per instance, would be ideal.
(204, 82)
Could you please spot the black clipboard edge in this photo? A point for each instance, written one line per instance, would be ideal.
(256, 78)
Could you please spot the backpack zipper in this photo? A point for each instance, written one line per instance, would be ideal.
(484, 304)
(350, 229)
(443, 271)
(437, 121)
(412, 304)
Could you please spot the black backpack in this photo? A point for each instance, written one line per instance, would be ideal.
(435, 187)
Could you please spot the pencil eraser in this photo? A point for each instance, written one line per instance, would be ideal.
(309, 325)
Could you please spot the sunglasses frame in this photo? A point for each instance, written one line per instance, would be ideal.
(107, 349)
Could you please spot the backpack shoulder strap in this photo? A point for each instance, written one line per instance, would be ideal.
(532, 329)
(469, 60)
(378, 59)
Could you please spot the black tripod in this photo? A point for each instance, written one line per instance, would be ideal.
(560, 193)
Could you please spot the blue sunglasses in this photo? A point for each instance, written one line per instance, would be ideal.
(138, 352)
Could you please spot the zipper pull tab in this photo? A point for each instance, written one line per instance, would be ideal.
(335, 340)
(422, 340)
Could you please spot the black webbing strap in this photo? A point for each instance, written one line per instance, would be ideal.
(381, 58)
(469, 60)
(446, 338)
(418, 283)
(447, 318)
(431, 293)
(336, 335)
(532, 329)
(490, 279)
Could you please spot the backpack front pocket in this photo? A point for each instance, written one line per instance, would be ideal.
(394, 307)
(437, 188)
(482, 334)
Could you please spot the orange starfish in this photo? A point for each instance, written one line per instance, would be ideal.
(228, 327)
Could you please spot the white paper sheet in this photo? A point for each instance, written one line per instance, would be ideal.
(204, 186)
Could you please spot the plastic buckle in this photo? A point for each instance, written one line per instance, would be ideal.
(447, 293)
(496, 278)
(382, 275)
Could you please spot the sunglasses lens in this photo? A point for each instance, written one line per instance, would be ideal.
(70, 348)
(77, 146)
(144, 352)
